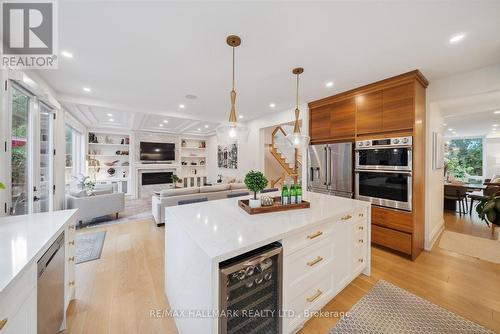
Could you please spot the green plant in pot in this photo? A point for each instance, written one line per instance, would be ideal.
(2, 186)
(489, 211)
(255, 182)
(175, 179)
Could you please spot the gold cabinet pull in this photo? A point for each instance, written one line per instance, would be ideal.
(71, 227)
(315, 235)
(313, 262)
(71, 258)
(361, 228)
(71, 243)
(361, 260)
(315, 296)
(347, 217)
(3, 322)
(361, 241)
(361, 215)
(72, 283)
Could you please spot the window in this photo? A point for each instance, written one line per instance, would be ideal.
(74, 153)
(464, 157)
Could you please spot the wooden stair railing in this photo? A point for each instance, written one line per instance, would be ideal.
(291, 171)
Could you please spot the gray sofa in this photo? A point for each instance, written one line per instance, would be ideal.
(103, 202)
(171, 197)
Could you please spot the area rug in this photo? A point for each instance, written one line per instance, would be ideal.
(88, 246)
(481, 248)
(388, 309)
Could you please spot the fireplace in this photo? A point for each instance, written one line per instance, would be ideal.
(156, 178)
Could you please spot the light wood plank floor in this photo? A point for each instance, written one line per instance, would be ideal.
(116, 293)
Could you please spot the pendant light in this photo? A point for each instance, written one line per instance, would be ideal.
(232, 132)
(297, 139)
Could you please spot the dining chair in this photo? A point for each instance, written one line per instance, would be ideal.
(458, 194)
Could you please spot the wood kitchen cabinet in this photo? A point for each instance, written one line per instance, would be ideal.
(398, 111)
(333, 122)
(370, 113)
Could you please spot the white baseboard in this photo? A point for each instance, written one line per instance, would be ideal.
(434, 235)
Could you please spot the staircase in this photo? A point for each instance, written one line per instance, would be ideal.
(288, 157)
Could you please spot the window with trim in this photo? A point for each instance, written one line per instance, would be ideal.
(464, 157)
(74, 154)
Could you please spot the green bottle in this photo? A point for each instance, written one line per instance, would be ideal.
(299, 193)
(284, 195)
(293, 194)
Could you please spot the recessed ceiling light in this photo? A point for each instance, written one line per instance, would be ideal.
(444, 124)
(199, 129)
(272, 105)
(111, 120)
(494, 125)
(241, 116)
(110, 115)
(329, 84)
(206, 126)
(182, 106)
(165, 121)
(67, 54)
(496, 112)
(87, 89)
(457, 38)
(161, 124)
(450, 129)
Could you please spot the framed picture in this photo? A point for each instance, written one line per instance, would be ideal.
(437, 151)
(227, 156)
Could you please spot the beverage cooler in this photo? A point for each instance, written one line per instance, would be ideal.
(250, 292)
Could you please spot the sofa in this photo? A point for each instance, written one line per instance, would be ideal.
(171, 197)
(103, 201)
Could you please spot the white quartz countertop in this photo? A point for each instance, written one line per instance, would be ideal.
(24, 238)
(223, 230)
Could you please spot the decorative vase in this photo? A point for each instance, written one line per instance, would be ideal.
(254, 203)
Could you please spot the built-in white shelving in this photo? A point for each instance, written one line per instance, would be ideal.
(193, 150)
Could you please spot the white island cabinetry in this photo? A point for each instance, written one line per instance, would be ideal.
(325, 247)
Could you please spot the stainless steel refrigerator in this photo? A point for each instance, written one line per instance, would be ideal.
(329, 169)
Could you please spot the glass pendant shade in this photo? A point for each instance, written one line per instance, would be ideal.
(232, 133)
(296, 139)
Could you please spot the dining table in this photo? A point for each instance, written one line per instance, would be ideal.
(450, 204)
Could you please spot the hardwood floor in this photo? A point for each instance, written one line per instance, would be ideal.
(116, 293)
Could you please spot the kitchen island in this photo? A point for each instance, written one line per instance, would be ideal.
(324, 248)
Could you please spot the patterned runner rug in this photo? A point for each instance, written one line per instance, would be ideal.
(88, 246)
(388, 309)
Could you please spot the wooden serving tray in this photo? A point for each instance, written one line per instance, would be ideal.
(276, 207)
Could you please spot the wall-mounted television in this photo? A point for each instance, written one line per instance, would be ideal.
(157, 151)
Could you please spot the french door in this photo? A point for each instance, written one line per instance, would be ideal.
(32, 154)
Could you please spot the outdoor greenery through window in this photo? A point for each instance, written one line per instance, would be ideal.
(464, 157)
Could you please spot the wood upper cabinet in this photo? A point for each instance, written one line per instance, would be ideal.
(319, 128)
(398, 107)
(333, 121)
(370, 113)
(343, 119)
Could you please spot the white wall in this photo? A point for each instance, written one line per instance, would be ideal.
(251, 153)
(481, 81)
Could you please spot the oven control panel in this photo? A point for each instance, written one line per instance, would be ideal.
(399, 141)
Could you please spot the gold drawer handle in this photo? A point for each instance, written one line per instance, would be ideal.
(361, 228)
(346, 217)
(72, 283)
(71, 227)
(313, 262)
(71, 243)
(361, 241)
(361, 260)
(72, 258)
(315, 296)
(361, 215)
(315, 235)
(3, 322)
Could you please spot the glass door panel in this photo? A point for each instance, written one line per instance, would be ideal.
(44, 194)
(20, 153)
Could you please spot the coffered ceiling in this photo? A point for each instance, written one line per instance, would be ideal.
(146, 57)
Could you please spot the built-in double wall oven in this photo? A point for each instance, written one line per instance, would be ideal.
(384, 172)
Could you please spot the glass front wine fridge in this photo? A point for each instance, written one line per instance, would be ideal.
(250, 292)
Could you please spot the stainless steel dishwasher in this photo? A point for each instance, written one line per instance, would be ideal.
(50, 286)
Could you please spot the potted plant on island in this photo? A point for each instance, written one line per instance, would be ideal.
(2, 186)
(489, 211)
(255, 182)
